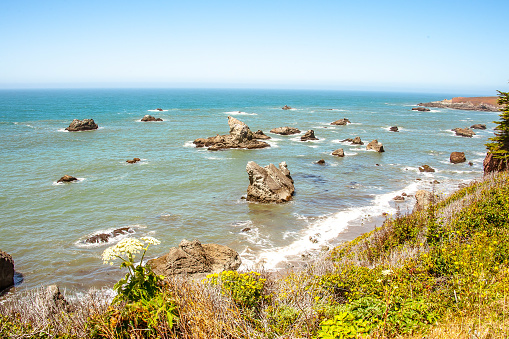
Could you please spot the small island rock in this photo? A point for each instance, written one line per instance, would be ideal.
(285, 130)
(464, 132)
(420, 109)
(339, 152)
(269, 184)
(82, 125)
(457, 157)
(321, 162)
(309, 135)
(394, 129)
(150, 118)
(286, 107)
(341, 122)
(375, 145)
(478, 126)
(67, 178)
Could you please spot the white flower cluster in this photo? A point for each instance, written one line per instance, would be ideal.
(125, 246)
(150, 240)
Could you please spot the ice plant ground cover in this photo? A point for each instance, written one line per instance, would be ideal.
(441, 273)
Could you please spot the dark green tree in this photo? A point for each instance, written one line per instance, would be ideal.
(499, 146)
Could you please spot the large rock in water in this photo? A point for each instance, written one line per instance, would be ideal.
(67, 178)
(150, 118)
(309, 135)
(457, 157)
(193, 258)
(339, 152)
(240, 137)
(285, 130)
(464, 132)
(375, 145)
(269, 184)
(6, 270)
(341, 122)
(82, 125)
(492, 164)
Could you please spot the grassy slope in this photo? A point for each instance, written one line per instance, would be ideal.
(442, 272)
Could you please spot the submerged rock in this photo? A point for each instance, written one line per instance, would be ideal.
(421, 109)
(457, 157)
(67, 178)
(426, 168)
(82, 125)
(150, 118)
(135, 160)
(394, 129)
(341, 122)
(478, 126)
(286, 107)
(6, 270)
(309, 135)
(105, 237)
(192, 258)
(321, 162)
(269, 184)
(240, 137)
(464, 132)
(375, 145)
(285, 130)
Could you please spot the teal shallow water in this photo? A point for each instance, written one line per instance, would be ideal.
(178, 191)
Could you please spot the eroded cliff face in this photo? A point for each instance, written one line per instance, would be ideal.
(492, 164)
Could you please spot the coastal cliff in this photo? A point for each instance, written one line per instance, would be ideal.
(488, 104)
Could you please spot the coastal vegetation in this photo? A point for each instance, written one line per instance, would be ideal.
(439, 272)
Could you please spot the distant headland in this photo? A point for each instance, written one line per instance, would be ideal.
(467, 103)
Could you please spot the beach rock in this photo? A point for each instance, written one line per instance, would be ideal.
(394, 129)
(260, 135)
(421, 109)
(67, 178)
(240, 137)
(150, 118)
(341, 122)
(309, 135)
(339, 152)
(82, 125)
(426, 168)
(193, 258)
(286, 107)
(492, 164)
(269, 184)
(464, 132)
(6, 270)
(457, 157)
(375, 145)
(55, 300)
(105, 237)
(285, 130)
(321, 162)
(478, 126)
(423, 199)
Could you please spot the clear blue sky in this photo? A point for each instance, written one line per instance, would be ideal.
(455, 46)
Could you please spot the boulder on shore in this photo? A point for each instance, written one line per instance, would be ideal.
(269, 184)
(375, 145)
(457, 157)
(67, 178)
(339, 152)
(478, 126)
(82, 125)
(341, 122)
(150, 118)
(464, 132)
(426, 168)
(309, 135)
(240, 137)
(285, 130)
(6, 270)
(193, 258)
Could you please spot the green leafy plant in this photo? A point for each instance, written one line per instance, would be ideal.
(140, 282)
(344, 325)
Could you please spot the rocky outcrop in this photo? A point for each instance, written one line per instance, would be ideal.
(150, 118)
(82, 125)
(492, 164)
(6, 270)
(464, 132)
(260, 135)
(423, 199)
(105, 237)
(478, 126)
(375, 145)
(193, 258)
(354, 141)
(320, 162)
(339, 152)
(67, 178)
(240, 137)
(309, 135)
(394, 129)
(421, 109)
(426, 168)
(457, 157)
(341, 122)
(285, 130)
(55, 300)
(470, 104)
(286, 107)
(135, 160)
(269, 184)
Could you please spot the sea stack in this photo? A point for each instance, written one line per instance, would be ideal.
(269, 184)
(82, 125)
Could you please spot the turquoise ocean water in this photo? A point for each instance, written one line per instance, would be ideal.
(178, 191)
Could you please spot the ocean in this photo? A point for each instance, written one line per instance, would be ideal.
(180, 192)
